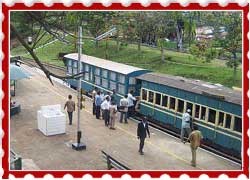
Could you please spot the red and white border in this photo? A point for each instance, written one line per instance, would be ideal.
(108, 5)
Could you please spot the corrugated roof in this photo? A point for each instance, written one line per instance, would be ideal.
(105, 64)
(196, 86)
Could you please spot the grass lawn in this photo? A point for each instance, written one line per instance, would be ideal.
(181, 64)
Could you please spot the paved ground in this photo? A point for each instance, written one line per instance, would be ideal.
(55, 153)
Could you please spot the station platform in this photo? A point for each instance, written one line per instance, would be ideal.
(161, 151)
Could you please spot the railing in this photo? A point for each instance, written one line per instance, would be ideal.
(113, 163)
(15, 161)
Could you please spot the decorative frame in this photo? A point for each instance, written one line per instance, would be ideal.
(118, 6)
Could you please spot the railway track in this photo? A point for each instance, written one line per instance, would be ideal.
(62, 71)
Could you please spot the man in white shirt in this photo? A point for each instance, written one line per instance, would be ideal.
(124, 109)
(185, 125)
(131, 100)
(105, 107)
(94, 92)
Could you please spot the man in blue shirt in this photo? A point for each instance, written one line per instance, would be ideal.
(98, 102)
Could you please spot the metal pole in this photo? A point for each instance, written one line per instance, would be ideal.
(78, 145)
(79, 80)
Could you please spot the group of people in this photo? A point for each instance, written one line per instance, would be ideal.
(107, 106)
(194, 137)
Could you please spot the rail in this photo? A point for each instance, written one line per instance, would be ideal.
(15, 161)
(113, 163)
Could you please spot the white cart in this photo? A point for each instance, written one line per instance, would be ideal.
(51, 120)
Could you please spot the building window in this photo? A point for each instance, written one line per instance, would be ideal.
(86, 68)
(144, 94)
(121, 79)
(113, 76)
(104, 73)
(121, 89)
(97, 80)
(164, 102)
(228, 121)
(131, 80)
(69, 70)
(86, 76)
(172, 103)
(157, 98)
(112, 85)
(197, 111)
(105, 83)
(151, 97)
(203, 113)
(189, 106)
(237, 124)
(180, 106)
(211, 116)
(221, 119)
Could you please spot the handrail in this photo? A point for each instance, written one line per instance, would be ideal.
(113, 163)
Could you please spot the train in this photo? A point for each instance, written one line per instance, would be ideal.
(215, 109)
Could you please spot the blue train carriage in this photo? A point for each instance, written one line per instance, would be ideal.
(216, 110)
(104, 74)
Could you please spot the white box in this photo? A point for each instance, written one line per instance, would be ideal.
(51, 120)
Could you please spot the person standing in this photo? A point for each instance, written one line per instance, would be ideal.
(113, 113)
(70, 105)
(98, 102)
(124, 109)
(105, 107)
(113, 97)
(195, 140)
(93, 98)
(142, 131)
(185, 125)
(131, 100)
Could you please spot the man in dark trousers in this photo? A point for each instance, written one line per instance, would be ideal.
(142, 131)
(70, 105)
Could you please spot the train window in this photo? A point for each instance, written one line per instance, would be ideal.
(158, 98)
(97, 80)
(69, 70)
(197, 111)
(113, 76)
(151, 96)
(211, 115)
(75, 64)
(221, 119)
(104, 73)
(112, 85)
(189, 106)
(121, 88)
(203, 113)
(69, 63)
(86, 76)
(86, 68)
(97, 71)
(105, 83)
(180, 106)
(237, 124)
(172, 103)
(228, 121)
(74, 70)
(144, 94)
(164, 101)
(132, 80)
(121, 78)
